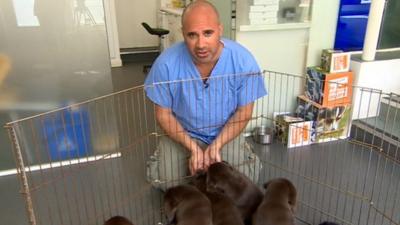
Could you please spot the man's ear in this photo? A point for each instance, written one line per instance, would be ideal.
(221, 29)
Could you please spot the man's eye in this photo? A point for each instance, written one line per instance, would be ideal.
(208, 33)
(191, 35)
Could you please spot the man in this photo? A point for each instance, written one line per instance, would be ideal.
(204, 89)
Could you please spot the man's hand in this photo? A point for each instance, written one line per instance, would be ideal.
(196, 161)
(212, 155)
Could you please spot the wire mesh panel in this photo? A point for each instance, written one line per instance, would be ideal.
(87, 162)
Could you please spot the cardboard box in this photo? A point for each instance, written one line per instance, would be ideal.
(328, 123)
(293, 131)
(329, 89)
(334, 61)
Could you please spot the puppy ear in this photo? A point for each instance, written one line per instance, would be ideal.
(199, 173)
(228, 165)
(171, 216)
(200, 181)
(170, 205)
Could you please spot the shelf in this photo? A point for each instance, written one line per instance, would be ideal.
(279, 26)
(174, 11)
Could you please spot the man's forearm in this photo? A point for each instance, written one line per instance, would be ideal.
(235, 125)
(173, 128)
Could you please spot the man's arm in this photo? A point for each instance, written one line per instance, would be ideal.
(174, 130)
(231, 129)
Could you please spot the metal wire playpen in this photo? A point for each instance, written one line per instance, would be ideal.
(84, 163)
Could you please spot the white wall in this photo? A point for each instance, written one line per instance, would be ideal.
(277, 50)
(130, 15)
(381, 75)
(323, 29)
(292, 50)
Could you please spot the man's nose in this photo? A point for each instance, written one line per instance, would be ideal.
(200, 42)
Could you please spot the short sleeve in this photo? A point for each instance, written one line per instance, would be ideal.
(157, 86)
(251, 86)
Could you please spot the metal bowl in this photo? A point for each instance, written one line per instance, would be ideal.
(263, 135)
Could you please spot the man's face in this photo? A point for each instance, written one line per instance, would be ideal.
(201, 32)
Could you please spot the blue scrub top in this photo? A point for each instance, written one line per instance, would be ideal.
(203, 107)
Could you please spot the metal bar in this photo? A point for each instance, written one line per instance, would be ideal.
(23, 178)
(68, 146)
(146, 127)
(126, 154)
(38, 156)
(344, 194)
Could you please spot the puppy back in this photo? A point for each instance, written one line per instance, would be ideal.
(185, 204)
(224, 210)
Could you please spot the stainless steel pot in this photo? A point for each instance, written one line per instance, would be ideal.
(263, 135)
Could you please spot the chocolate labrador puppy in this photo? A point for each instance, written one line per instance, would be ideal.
(223, 208)
(279, 204)
(186, 205)
(224, 179)
(118, 220)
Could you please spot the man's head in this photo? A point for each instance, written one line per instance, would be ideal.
(202, 31)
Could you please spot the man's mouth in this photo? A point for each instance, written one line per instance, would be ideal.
(202, 54)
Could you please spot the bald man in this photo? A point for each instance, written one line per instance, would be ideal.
(203, 89)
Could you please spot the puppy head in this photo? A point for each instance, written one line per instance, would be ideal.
(118, 220)
(278, 185)
(218, 176)
(281, 189)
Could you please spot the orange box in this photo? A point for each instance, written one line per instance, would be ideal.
(329, 89)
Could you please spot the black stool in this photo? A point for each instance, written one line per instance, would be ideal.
(160, 32)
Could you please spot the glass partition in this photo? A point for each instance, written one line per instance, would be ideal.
(59, 55)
